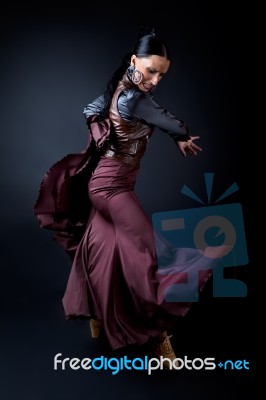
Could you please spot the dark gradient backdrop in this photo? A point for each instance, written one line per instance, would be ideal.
(54, 60)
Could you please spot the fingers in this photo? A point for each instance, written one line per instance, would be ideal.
(192, 148)
(195, 147)
(192, 151)
(194, 137)
(189, 147)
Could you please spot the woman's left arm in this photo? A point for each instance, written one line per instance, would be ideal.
(143, 107)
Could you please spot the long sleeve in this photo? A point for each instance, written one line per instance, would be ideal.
(95, 107)
(143, 107)
(134, 104)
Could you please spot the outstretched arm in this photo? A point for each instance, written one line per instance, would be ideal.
(143, 107)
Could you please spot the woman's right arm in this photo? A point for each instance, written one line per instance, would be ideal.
(95, 107)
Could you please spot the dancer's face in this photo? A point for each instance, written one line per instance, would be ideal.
(153, 68)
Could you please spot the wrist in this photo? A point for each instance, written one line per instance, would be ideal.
(183, 138)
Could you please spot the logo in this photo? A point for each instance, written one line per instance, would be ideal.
(116, 365)
(197, 239)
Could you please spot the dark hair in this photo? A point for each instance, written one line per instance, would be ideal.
(147, 44)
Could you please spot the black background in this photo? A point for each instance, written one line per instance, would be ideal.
(55, 58)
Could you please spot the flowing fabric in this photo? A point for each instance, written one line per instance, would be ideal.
(90, 204)
(63, 204)
(115, 275)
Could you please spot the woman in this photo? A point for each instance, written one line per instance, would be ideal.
(115, 280)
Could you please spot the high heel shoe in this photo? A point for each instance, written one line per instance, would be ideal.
(163, 348)
(95, 327)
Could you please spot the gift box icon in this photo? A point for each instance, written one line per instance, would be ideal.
(207, 230)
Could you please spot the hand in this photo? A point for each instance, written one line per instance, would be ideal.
(189, 147)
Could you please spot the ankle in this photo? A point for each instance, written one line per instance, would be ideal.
(96, 326)
(163, 350)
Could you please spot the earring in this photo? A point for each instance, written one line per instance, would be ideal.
(134, 74)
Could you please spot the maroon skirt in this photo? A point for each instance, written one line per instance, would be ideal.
(115, 275)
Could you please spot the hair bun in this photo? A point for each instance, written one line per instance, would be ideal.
(146, 30)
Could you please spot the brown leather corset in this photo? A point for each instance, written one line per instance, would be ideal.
(128, 139)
